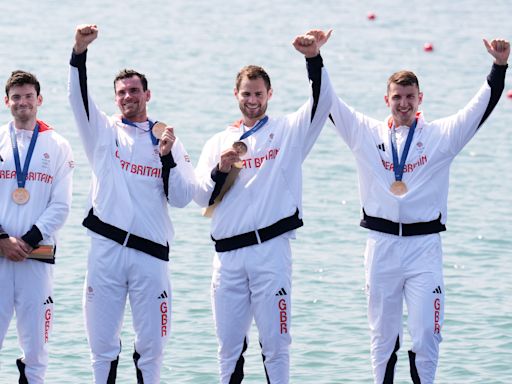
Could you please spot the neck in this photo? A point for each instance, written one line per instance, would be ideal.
(248, 122)
(137, 119)
(408, 124)
(27, 125)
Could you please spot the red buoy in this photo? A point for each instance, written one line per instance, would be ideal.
(509, 94)
(428, 47)
(371, 16)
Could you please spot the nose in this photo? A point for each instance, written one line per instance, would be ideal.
(252, 99)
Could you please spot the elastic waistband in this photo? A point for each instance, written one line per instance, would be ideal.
(400, 229)
(259, 236)
(124, 238)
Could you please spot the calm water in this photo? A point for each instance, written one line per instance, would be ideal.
(190, 51)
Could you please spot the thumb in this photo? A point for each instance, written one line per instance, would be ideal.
(487, 45)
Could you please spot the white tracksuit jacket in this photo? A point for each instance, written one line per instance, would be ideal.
(126, 189)
(127, 192)
(26, 287)
(410, 267)
(255, 281)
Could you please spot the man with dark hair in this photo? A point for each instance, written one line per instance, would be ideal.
(403, 165)
(135, 176)
(36, 167)
(127, 73)
(21, 78)
(253, 222)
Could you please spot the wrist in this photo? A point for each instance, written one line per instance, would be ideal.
(310, 56)
(79, 49)
(500, 62)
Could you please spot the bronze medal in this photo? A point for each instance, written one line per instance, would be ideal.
(398, 188)
(240, 148)
(20, 196)
(158, 129)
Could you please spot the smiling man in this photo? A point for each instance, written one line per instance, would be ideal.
(253, 223)
(403, 166)
(36, 168)
(135, 176)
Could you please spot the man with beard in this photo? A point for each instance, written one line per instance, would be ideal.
(403, 166)
(253, 221)
(135, 176)
(36, 168)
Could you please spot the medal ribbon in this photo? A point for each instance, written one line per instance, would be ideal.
(154, 140)
(253, 130)
(21, 176)
(398, 168)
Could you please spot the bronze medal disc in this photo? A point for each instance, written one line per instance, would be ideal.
(398, 188)
(158, 129)
(20, 196)
(240, 148)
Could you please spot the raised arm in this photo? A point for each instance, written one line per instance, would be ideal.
(499, 49)
(318, 107)
(90, 120)
(85, 34)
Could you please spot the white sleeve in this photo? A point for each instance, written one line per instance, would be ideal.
(59, 204)
(182, 181)
(351, 125)
(207, 161)
(459, 128)
(309, 128)
(93, 124)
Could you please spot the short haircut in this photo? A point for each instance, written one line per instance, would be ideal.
(19, 78)
(253, 72)
(128, 73)
(403, 78)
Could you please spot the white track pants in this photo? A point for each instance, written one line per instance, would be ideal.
(114, 272)
(26, 287)
(253, 282)
(409, 268)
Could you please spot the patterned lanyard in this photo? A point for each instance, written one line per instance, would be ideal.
(21, 176)
(398, 168)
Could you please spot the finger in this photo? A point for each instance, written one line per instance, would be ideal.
(328, 35)
(487, 45)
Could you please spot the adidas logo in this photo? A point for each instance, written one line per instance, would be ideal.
(437, 290)
(48, 301)
(163, 295)
(281, 292)
(382, 147)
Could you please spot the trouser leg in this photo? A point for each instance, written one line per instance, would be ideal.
(232, 313)
(104, 300)
(33, 304)
(384, 287)
(270, 286)
(424, 295)
(150, 300)
(6, 296)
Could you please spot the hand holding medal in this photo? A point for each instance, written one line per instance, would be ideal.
(231, 157)
(165, 134)
(241, 149)
(231, 163)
